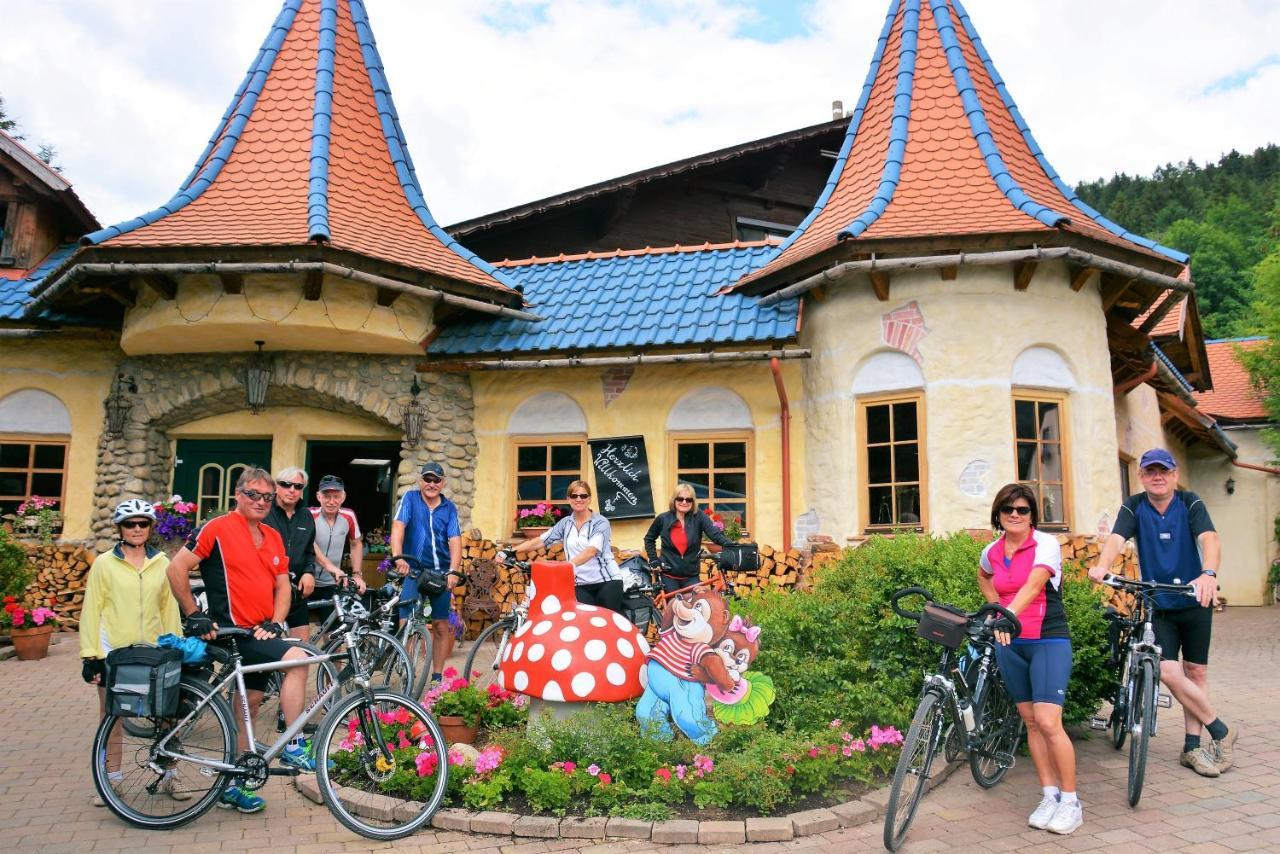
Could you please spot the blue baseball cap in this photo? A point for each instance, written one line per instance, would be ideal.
(1157, 457)
(433, 468)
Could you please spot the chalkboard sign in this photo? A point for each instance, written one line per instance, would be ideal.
(622, 477)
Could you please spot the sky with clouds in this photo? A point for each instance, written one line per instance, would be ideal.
(506, 101)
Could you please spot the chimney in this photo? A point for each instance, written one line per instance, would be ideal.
(837, 109)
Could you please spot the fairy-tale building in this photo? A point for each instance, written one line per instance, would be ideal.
(948, 317)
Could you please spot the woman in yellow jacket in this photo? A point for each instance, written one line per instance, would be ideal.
(127, 600)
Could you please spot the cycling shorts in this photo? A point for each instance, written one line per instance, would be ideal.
(254, 651)
(1036, 671)
(440, 604)
(1185, 630)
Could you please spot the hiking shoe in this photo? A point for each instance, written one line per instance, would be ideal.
(1066, 818)
(1201, 761)
(170, 787)
(299, 756)
(1041, 816)
(1222, 749)
(235, 798)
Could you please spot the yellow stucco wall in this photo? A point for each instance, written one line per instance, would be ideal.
(289, 428)
(1244, 519)
(976, 328)
(202, 318)
(641, 409)
(78, 370)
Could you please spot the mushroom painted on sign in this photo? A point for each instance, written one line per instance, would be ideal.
(568, 652)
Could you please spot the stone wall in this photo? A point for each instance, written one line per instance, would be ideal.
(174, 390)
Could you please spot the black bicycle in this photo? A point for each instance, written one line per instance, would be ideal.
(965, 697)
(1136, 657)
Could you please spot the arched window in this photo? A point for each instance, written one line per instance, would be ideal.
(893, 483)
(548, 449)
(35, 429)
(1042, 381)
(710, 431)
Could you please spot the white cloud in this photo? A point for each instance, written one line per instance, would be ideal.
(504, 102)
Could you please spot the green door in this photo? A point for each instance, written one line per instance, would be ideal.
(205, 470)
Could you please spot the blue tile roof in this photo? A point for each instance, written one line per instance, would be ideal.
(15, 293)
(646, 298)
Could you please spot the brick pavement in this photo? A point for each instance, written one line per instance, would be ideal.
(47, 717)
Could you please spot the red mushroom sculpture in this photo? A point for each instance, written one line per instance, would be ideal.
(572, 653)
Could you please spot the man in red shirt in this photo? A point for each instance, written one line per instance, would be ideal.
(246, 578)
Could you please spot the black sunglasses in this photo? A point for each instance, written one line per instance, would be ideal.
(430, 478)
(683, 500)
(288, 484)
(1012, 510)
(255, 495)
(135, 523)
(580, 495)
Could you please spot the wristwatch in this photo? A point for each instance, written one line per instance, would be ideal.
(1212, 573)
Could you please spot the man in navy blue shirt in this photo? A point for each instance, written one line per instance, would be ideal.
(1177, 544)
(426, 527)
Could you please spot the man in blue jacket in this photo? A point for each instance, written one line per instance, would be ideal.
(1177, 544)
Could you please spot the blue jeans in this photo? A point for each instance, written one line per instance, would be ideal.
(667, 698)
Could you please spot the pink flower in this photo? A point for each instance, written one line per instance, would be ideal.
(449, 673)
(680, 769)
(401, 715)
(593, 769)
(605, 779)
(846, 736)
(663, 774)
(456, 757)
(704, 764)
(836, 724)
(489, 759)
(813, 753)
(570, 767)
(426, 763)
(859, 745)
(847, 750)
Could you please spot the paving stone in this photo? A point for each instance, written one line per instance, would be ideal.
(493, 822)
(878, 799)
(536, 825)
(577, 827)
(769, 829)
(721, 833)
(629, 828)
(677, 831)
(408, 810)
(309, 787)
(853, 813)
(452, 819)
(813, 822)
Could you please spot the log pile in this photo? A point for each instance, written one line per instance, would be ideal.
(59, 573)
(1084, 551)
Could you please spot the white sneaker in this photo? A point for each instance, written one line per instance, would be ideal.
(1066, 818)
(1039, 819)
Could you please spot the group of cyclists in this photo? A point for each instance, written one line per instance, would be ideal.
(263, 561)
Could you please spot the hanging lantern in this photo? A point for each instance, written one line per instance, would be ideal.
(411, 414)
(257, 377)
(117, 405)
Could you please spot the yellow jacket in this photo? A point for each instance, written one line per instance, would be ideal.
(125, 605)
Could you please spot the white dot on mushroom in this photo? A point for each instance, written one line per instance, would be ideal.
(643, 644)
(582, 684)
(536, 652)
(568, 615)
(521, 681)
(595, 650)
(550, 605)
(599, 622)
(561, 659)
(625, 649)
(542, 628)
(519, 651)
(623, 623)
(569, 634)
(615, 673)
(551, 691)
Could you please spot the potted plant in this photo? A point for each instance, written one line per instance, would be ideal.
(175, 521)
(457, 705)
(30, 629)
(534, 521)
(36, 517)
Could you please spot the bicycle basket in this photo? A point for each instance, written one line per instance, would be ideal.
(943, 624)
(142, 681)
(744, 557)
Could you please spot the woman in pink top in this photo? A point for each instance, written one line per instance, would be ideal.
(1022, 570)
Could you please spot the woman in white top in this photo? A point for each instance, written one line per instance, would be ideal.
(586, 536)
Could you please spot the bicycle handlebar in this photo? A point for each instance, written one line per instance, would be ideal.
(902, 594)
(1119, 582)
(976, 616)
(235, 632)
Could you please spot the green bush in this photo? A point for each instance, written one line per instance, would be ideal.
(841, 652)
(15, 571)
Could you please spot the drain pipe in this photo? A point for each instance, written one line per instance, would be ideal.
(1252, 467)
(776, 367)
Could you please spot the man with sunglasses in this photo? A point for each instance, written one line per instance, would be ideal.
(297, 528)
(426, 527)
(246, 578)
(1177, 544)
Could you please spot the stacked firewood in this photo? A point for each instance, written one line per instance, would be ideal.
(779, 568)
(59, 574)
(1085, 551)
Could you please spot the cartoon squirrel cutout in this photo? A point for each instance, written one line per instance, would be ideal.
(701, 649)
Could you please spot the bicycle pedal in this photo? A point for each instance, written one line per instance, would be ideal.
(1099, 723)
(1005, 760)
(1165, 701)
(284, 771)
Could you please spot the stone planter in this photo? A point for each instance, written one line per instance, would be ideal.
(457, 731)
(31, 644)
(531, 532)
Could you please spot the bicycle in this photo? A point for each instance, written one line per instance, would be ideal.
(359, 745)
(966, 692)
(387, 662)
(1137, 659)
(644, 598)
(484, 659)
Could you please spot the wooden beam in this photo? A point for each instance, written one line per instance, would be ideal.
(1080, 275)
(164, 287)
(1022, 273)
(113, 293)
(232, 283)
(1153, 319)
(880, 284)
(949, 273)
(311, 288)
(1113, 287)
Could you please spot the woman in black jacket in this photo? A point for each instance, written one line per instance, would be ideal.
(681, 530)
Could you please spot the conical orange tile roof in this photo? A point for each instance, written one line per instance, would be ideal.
(310, 151)
(936, 147)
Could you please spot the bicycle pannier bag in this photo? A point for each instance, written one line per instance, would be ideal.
(142, 681)
(943, 624)
(743, 557)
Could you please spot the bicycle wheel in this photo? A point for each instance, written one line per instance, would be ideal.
(127, 780)
(381, 657)
(485, 657)
(912, 774)
(270, 718)
(374, 740)
(1001, 729)
(417, 644)
(1119, 718)
(1142, 721)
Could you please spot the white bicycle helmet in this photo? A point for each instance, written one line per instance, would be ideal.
(133, 508)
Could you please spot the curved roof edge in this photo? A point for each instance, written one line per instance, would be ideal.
(399, 152)
(208, 170)
(1038, 153)
(321, 120)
